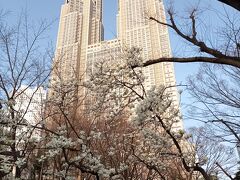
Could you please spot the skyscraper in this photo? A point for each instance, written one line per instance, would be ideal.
(80, 39)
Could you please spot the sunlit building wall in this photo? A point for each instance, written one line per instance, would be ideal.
(30, 106)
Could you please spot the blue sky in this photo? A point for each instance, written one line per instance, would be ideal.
(50, 10)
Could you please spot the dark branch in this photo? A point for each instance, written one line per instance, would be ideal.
(216, 56)
(224, 171)
(192, 59)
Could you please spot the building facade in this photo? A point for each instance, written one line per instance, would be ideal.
(30, 106)
(80, 39)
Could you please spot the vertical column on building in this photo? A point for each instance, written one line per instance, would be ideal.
(68, 41)
(135, 30)
(91, 34)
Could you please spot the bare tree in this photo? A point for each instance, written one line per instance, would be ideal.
(216, 104)
(216, 91)
(22, 68)
(188, 28)
(217, 158)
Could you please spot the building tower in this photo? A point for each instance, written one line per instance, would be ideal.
(80, 39)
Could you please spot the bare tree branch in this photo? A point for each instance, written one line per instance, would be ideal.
(193, 39)
(192, 59)
(214, 55)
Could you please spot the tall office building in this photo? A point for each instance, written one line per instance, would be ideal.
(80, 39)
(80, 25)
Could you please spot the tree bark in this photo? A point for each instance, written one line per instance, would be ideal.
(203, 172)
